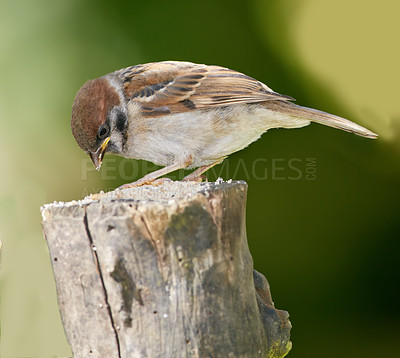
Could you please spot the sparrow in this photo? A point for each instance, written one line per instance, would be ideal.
(182, 115)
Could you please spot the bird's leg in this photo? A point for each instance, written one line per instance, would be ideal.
(153, 178)
(197, 174)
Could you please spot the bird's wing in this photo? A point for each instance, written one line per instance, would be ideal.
(175, 87)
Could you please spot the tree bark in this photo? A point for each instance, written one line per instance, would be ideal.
(162, 272)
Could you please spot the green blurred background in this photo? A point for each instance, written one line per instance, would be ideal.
(323, 205)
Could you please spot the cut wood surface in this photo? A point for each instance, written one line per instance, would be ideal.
(162, 271)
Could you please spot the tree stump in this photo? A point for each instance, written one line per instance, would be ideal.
(162, 271)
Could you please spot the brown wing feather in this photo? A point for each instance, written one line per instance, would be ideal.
(175, 87)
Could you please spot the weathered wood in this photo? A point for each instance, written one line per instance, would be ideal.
(170, 276)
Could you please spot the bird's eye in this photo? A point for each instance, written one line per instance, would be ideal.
(103, 131)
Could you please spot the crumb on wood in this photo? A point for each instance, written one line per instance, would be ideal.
(169, 191)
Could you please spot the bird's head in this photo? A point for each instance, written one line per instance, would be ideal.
(98, 119)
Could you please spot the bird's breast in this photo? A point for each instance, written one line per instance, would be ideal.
(205, 135)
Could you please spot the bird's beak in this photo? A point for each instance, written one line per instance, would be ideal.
(97, 156)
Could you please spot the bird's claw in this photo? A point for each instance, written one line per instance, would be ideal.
(144, 181)
(197, 179)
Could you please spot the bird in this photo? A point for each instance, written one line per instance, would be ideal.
(183, 115)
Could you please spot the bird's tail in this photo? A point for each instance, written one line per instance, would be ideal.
(321, 117)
